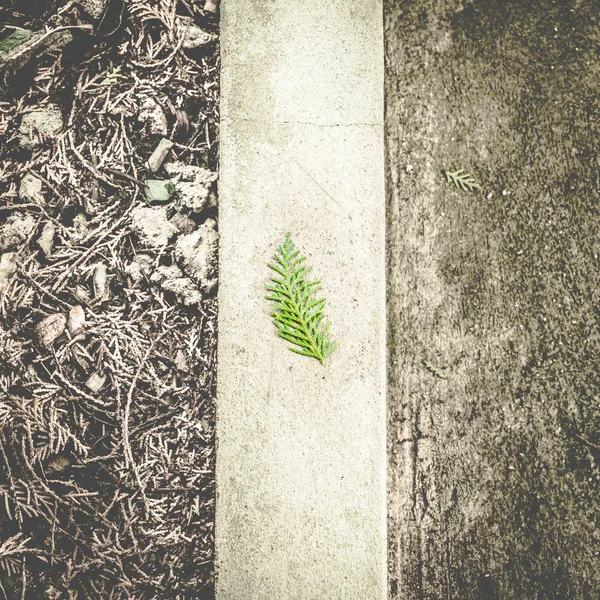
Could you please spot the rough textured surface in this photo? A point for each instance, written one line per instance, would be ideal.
(197, 255)
(46, 239)
(153, 116)
(171, 279)
(152, 226)
(31, 189)
(185, 290)
(183, 223)
(301, 446)
(494, 470)
(140, 268)
(193, 185)
(194, 37)
(15, 231)
(93, 7)
(35, 45)
(40, 125)
(8, 267)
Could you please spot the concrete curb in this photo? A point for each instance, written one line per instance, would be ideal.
(301, 447)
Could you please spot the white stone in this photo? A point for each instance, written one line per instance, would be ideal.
(76, 318)
(193, 184)
(15, 231)
(39, 126)
(197, 254)
(194, 37)
(163, 272)
(152, 114)
(46, 239)
(8, 267)
(93, 7)
(185, 289)
(152, 226)
(31, 189)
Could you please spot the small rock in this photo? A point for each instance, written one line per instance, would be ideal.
(99, 280)
(184, 172)
(152, 114)
(39, 126)
(157, 190)
(194, 37)
(8, 267)
(171, 279)
(80, 229)
(212, 199)
(164, 272)
(185, 289)
(134, 271)
(152, 226)
(76, 318)
(46, 239)
(211, 6)
(141, 267)
(181, 363)
(197, 253)
(95, 382)
(58, 463)
(183, 223)
(94, 8)
(15, 231)
(31, 189)
(193, 185)
(159, 155)
(50, 329)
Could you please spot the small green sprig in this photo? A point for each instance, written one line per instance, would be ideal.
(462, 180)
(112, 77)
(297, 315)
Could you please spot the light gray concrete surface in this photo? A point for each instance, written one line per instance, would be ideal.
(301, 452)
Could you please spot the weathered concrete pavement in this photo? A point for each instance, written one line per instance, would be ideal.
(301, 451)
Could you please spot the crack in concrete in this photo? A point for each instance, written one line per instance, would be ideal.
(316, 182)
(296, 122)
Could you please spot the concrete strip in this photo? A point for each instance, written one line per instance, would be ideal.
(301, 452)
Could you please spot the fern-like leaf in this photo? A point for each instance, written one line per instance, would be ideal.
(462, 180)
(297, 315)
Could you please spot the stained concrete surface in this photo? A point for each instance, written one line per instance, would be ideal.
(301, 446)
(494, 469)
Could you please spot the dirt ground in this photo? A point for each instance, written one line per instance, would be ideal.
(495, 447)
(108, 307)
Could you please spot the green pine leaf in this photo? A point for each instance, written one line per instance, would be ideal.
(297, 315)
(462, 180)
(112, 77)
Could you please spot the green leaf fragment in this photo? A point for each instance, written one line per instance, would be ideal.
(433, 369)
(14, 39)
(112, 77)
(297, 315)
(462, 180)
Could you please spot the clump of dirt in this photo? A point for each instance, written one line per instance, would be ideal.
(107, 364)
